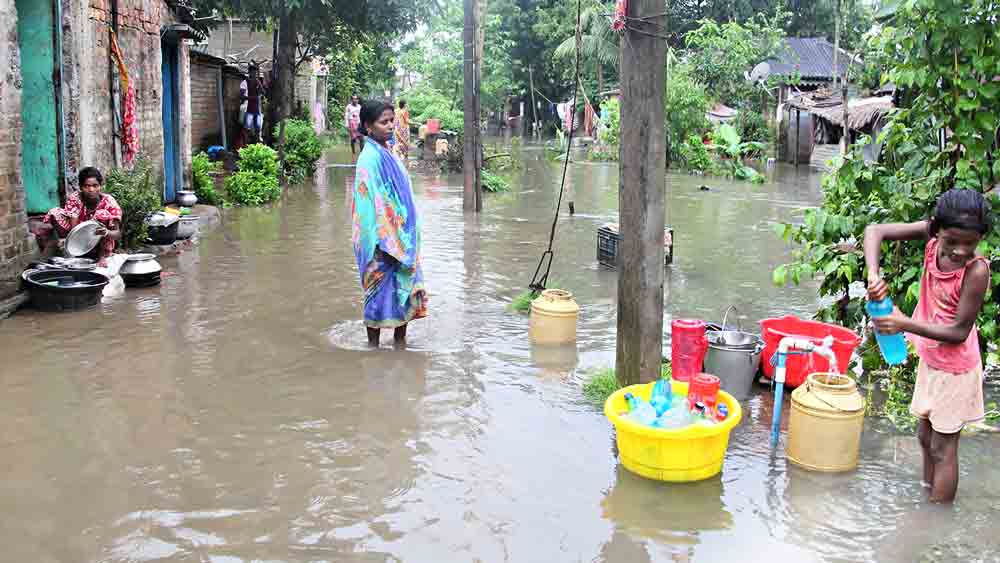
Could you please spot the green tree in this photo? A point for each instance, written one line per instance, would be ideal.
(721, 55)
(944, 55)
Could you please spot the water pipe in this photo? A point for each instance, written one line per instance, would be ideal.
(786, 345)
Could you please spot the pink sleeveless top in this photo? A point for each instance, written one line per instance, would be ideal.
(938, 304)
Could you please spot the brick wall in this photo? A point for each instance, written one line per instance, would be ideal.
(205, 128)
(87, 80)
(16, 245)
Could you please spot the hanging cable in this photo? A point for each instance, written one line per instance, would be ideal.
(538, 281)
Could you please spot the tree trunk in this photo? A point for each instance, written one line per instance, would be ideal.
(641, 198)
(470, 159)
(288, 25)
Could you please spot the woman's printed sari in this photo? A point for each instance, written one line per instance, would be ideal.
(386, 237)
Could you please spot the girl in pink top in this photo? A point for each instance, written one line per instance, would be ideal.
(949, 390)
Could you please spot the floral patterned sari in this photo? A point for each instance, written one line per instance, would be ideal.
(386, 238)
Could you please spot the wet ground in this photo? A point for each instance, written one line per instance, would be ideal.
(234, 415)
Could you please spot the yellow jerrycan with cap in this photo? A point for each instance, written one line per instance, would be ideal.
(825, 425)
(554, 314)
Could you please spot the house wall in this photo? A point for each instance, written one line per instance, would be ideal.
(206, 130)
(16, 245)
(86, 82)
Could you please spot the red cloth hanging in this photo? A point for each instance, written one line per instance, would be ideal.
(130, 129)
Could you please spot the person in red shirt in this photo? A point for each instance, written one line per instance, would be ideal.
(91, 204)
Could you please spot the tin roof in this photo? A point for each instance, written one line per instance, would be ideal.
(809, 57)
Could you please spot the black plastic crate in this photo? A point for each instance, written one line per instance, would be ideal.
(607, 247)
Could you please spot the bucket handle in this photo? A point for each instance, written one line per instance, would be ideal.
(822, 400)
(725, 315)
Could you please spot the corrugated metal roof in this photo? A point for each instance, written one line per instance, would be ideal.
(810, 57)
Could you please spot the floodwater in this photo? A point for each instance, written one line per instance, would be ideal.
(234, 415)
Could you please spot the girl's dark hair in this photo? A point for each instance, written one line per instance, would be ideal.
(370, 112)
(89, 172)
(961, 209)
(402, 104)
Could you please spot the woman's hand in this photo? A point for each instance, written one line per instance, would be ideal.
(101, 232)
(877, 288)
(892, 323)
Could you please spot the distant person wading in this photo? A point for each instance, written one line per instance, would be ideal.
(386, 233)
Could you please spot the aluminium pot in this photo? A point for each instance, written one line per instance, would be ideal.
(188, 227)
(735, 365)
(186, 198)
(140, 264)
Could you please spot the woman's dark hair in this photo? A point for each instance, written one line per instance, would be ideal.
(88, 173)
(402, 104)
(961, 209)
(370, 112)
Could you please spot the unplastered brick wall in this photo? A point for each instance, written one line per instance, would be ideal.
(16, 246)
(87, 79)
(205, 127)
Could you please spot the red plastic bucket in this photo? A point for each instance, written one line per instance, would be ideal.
(688, 345)
(798, 367)
(704, 388)
(433, 126)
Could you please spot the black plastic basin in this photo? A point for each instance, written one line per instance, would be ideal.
(64, 290)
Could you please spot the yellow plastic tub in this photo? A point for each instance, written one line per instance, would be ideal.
(686, 454)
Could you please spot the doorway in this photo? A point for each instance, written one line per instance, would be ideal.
(171, 125)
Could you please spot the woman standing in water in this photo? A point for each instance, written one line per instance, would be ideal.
(402, 128)
(386, 233)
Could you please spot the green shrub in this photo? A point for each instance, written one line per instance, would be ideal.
(138, 195)
(610, 131)
(752, 127)
(426, 103)
(202, 168)
(694, 155)
(494, 183)
(302, 149)
(259, 158)
(252, 188)
(256, 183)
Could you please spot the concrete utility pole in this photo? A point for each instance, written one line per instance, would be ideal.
(641, 195)
(471, 200)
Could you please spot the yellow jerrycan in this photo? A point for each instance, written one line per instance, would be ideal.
(553, 318)
(825, 424)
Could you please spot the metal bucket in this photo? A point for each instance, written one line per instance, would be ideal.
(734, 357)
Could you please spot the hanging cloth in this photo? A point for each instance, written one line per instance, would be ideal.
(130, 129)
(621, 11)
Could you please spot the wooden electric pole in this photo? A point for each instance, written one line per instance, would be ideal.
(471, 200)
(641, 195)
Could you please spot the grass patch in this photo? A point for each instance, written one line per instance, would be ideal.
(602, 383)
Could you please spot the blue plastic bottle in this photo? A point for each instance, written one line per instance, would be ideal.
(640, 411)
(892, 346)
(662, 396)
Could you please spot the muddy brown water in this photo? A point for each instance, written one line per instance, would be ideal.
(234, 415)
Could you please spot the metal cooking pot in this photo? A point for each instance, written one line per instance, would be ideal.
(735, 366)
(187, 227)
(140, 264)
(734, 357)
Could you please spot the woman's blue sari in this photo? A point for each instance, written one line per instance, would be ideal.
(386, 237)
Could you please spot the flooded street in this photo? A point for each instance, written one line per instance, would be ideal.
(234, 414)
